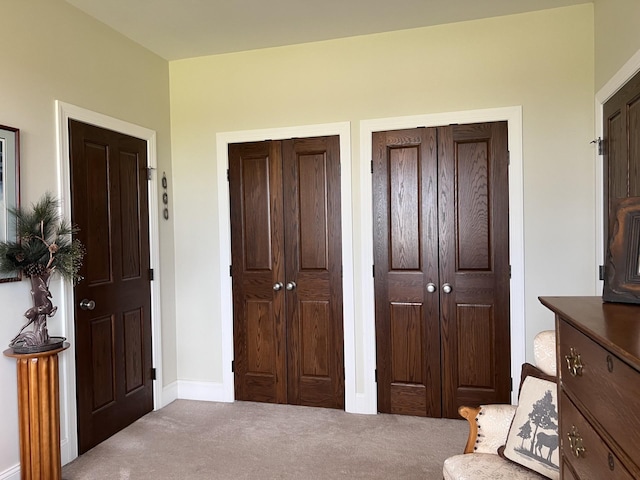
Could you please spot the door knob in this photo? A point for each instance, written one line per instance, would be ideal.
(277, 286)
(446, 288)
(431, 287)
(291, 286)
(86, 304)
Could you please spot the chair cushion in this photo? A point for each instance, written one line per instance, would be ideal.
(493, 422)
(481, 466)
(544, 351)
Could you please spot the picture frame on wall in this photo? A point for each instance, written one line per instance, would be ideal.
(622, 269)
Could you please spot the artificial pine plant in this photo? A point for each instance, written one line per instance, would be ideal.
(45, 245)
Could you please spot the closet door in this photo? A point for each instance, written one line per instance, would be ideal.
(257, 238)
(405, 199)
(473, 213)
(287, 284)
(441, 268)
(313, 272)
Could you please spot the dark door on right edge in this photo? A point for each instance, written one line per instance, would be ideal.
(621, 148)
(441, 253)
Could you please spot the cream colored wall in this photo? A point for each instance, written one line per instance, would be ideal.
(542, 61)
(51, 51)
(617, 34)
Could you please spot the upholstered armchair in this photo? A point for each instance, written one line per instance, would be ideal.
(489, 427)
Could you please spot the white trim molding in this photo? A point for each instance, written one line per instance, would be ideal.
(12, 473)
(622, 76)
(64, 112)
(223, 139)
(513, 116)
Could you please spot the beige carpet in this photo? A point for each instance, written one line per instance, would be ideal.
(244, 440)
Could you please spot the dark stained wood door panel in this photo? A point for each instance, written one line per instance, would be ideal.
(257, 236)
(113, 341)
(441, 259)
(287, 285)
(407, 315)
(621, 130)
(474, 259)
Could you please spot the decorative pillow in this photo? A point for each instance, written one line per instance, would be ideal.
(529, 370)
(533, 437)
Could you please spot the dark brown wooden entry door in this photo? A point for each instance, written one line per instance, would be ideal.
(113, 334)
(621, 130)
(441, 256)
(287, 285)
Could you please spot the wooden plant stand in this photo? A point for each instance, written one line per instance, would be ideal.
(39, 414)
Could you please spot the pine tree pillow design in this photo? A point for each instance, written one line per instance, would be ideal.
(533, 438)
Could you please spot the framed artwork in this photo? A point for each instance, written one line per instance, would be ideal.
(9, 186)
(622, 268)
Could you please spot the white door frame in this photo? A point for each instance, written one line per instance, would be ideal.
(223, 139)
(622, 76)
(513, 116)
(68, 404)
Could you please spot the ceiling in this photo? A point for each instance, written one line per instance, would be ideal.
(177, 29)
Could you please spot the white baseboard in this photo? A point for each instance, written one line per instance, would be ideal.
(11, 474)
(364, 404)
(206, 391)
(169, 394)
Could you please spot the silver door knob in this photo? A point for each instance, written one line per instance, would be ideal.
(431, 287)
(291, 286)
(277, 286)
(446, 288)
(86, 304)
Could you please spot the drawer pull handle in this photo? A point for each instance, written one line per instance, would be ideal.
(574, 363)
(612, 465)
(609, 364)
(575, 442)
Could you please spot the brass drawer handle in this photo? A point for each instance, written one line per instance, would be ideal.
(574, 363)
(575, 442)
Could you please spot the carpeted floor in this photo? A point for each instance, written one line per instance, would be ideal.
(245, 440)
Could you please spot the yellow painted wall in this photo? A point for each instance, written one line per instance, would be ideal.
(51, 51)
(617, 30)
(542, 61)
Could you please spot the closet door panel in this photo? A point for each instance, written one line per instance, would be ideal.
(313, 248)
(406, 261)
(257, 237)
(474, 262)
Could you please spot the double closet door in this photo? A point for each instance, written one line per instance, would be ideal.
(441, 267)
(286, 268)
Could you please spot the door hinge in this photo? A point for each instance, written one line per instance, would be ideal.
(150, 172)
(151, 274)
(231, 270)
(511, 384)
(233, 366)
(344, 373)
(228, 175)
(371, 166)
(601, 272)
(600, 144)
(375, 375)
(508, 158)
(153, 374)
(509, 271)
(373, 271)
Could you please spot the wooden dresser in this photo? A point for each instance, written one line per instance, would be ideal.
(598, 347)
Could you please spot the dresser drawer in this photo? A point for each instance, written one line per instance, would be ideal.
(607, 387)
(584, 449)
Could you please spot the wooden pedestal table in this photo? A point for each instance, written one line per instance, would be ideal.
(39, 414)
